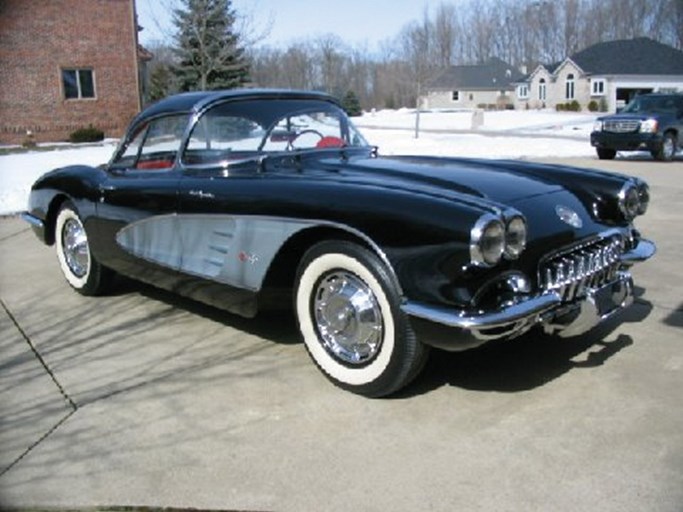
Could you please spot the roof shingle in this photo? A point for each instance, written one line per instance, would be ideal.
(494, 74)
(641, 56)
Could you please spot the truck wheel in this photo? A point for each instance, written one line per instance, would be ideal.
(606, 154)
(81, 270)
(350, 317)
(667, 150)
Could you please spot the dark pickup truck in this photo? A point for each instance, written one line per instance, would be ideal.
(651, 122)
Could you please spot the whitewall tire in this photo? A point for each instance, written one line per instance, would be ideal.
(80, 268)
(350, 318)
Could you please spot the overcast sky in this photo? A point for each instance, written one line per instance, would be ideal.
(356, 21)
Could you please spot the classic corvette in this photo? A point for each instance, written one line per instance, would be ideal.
(254, 198)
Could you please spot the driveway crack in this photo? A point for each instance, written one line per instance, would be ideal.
(65, 395)
(35, 351)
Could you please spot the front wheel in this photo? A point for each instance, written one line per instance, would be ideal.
(350, 318)
(606, 154)
(81, 270)
(667, 150)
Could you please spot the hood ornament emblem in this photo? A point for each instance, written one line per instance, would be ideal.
(568, 216)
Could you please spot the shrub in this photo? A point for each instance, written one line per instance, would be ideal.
(570, 106)
(29, 141)
(89, 134)
(593, 106)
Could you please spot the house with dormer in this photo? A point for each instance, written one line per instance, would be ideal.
(609, 74)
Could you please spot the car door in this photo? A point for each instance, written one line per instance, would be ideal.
(137, 231)
(219, 171)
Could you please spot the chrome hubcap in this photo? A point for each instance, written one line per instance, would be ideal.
(75, 247)
(348, 317)
(669, 147)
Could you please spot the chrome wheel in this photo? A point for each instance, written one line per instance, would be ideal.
(348, 317)
(75, 247)
(668, 148)
(80, 268)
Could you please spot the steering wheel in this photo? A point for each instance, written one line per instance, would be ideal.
(304, 132)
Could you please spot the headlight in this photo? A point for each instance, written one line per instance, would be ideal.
(629, 201)
(597, 126)
(515, 237)
(648, 126)
(643, 197)
(487, 241)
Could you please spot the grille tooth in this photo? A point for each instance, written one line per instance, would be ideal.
(571, 273)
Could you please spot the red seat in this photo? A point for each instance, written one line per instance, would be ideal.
(330, 142)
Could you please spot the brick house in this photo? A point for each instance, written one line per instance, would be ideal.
(67, 64)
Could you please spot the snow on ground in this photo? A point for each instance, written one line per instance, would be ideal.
(18, 171)
(504, 134)
(541, 122)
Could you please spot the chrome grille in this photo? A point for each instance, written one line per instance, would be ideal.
(592, 265)
(621, 126)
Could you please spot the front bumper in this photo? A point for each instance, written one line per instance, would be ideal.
(626, 141)
(454, 330)
(37, 225)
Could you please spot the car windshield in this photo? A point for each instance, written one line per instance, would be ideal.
(655, 105)
(240, 130)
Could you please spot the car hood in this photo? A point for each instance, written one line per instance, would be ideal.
(487, 180)
(641, 116)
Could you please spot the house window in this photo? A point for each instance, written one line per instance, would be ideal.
(569, 87)
(597, 87)
(541, 89)
(523, 92)
(455, 96)
(78, 83)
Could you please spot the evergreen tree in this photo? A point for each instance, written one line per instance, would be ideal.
(160, 82)
(208, 49)
(351, 104)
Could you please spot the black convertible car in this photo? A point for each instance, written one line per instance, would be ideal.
(246, 199)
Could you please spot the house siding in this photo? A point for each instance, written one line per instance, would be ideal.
(469, 99)
(621, 66)
(39, 39)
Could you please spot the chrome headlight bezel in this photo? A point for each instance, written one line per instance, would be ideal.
(494, 237)
(515, 236)
(629, 200)
(643, 196)
(487, 241)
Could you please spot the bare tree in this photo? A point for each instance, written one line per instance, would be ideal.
(415, 43)
(445, 34)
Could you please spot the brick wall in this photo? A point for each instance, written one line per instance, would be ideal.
(39, 38)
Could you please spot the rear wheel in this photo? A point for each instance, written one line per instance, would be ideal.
(81, 270)
(351, 321)
(667, 150)
(606, 154)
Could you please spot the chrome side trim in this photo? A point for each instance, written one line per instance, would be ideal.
(34, 221)
(527, 310)
(641, 252)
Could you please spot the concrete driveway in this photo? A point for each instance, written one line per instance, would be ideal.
(144, 399)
